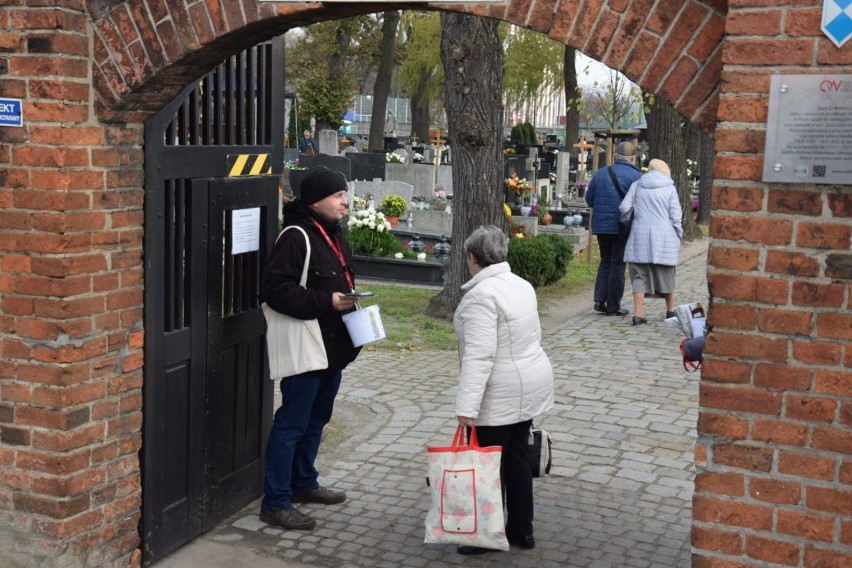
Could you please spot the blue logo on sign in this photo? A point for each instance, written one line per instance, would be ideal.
(11, 112)
(837, 20)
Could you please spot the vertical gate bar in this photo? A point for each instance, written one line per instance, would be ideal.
(206, 109)
(251, 96)
(230, 111)
(263, 96)
(169, 264)
(218, 106)
(182, 293)
(182, 124)
(240, 99)
(227, 266)
(194, 104)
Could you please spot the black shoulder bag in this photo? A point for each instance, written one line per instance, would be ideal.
(626, 219)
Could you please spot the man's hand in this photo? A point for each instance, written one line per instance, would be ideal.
(341, 302)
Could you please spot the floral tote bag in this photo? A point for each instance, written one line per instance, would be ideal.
(467, 500)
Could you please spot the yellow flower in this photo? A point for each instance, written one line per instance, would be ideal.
(507, 211)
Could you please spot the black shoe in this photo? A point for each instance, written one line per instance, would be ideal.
(621, 312)
(669, 314)
(471, 550)
(319, 495)
(600, 307)
(526, 542)
(290, 519)
(639, 320)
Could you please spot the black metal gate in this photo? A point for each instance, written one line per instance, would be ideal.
(213, 160)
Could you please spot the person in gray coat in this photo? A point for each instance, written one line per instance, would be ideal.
(654, 243)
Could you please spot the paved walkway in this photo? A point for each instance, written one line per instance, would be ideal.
(619, 494)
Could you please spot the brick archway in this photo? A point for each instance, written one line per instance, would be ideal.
(144, 55)
(774, 459)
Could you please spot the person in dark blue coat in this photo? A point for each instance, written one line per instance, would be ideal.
(307, 144)
(606, 190)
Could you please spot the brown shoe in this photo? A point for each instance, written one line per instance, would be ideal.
(290, 519)
(319, 495)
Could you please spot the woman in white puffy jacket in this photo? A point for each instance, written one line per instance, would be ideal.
(506, 378)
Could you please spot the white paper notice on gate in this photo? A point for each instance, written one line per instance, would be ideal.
(245, 230)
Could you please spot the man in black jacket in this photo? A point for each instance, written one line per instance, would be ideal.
(308, 399)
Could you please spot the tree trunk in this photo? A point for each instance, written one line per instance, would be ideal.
(381, 89)
(420, 115)
(572, 95)
(667, 133)
(473, 65)
(343, 36)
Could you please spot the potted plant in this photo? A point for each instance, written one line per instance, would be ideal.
(393, 206)
(439, 201)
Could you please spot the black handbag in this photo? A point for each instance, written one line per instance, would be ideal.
(539, 451)
(626, 220)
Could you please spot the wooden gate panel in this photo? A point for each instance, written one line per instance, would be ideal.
(195, 470)
(237, 383)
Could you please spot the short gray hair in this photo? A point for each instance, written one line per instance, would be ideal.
(488, 244)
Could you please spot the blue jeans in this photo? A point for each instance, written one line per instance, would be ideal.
(609, 284)
(294, 440)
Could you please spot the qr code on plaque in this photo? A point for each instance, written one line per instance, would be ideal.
(818, 172)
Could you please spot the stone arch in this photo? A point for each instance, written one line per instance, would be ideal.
(144, 55)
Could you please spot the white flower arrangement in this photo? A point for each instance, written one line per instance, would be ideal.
(397, 255)
(370, 218)
(421, 256)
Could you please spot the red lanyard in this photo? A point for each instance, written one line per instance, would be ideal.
(337, 252)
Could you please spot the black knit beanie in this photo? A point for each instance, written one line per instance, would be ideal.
(319, 183)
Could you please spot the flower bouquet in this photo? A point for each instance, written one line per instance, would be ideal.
(522, 189)
(369, 233)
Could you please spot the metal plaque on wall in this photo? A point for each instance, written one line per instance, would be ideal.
(809, 130)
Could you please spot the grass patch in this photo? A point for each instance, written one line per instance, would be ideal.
(408, 328)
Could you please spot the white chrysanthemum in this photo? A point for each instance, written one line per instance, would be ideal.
(398, 255)
(351, 222)
(421, 256)
(380, 228)
(371, 224)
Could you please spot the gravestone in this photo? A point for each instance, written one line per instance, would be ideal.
(334, 163)
(291, 155)
(430, 223)
(563, 177)
(515, 164)
(328, 142)
(445, 178)
(421, 176)
(380, 189)
(367, 165)
(402, 153)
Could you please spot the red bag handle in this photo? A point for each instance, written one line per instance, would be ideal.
(688, 365)
(458, 439)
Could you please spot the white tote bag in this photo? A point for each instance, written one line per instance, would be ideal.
(293, 346)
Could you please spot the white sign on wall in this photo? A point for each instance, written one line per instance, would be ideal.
(809, 130)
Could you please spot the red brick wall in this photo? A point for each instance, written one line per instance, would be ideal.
(775, 424)
(774, 481)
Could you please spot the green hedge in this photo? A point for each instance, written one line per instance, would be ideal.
(540, 260)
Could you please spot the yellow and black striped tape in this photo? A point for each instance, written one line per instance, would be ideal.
(248, 165)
